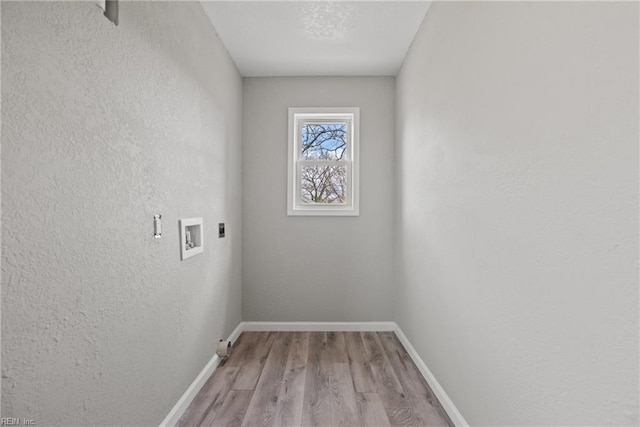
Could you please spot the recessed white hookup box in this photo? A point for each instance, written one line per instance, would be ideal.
(191, 242)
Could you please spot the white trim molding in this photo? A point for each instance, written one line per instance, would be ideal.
(181, 406)
(183, 403)
(319, 326)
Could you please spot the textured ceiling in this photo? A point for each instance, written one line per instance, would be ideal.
(317, 38)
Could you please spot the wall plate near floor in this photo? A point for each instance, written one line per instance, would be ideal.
(191, 241)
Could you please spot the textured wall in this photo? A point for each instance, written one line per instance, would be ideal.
(517, 164)
(102, 127)
(316, 268)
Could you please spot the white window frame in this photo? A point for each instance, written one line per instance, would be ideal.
(350, 116)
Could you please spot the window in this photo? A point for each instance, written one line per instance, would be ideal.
(323, 161)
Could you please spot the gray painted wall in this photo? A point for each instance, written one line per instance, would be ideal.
(517, 162)
(316, 268)
(103, 127)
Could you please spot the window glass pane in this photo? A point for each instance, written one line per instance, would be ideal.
(323, 184)
(323, 141)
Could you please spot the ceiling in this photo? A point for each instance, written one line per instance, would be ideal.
(317, 38)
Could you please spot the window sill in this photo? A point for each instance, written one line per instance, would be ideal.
(332, 211)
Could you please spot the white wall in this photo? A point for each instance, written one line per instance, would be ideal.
(517, 162)
(103, 127)
(316, 268)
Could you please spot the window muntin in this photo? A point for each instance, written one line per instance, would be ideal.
(323, 169)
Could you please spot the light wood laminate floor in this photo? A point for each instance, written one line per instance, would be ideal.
(316, 379)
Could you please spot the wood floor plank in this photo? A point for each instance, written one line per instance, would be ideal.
(291, 395)
(263, 403)
(336, 348)
(329, 394)
(413, 383)
(210, 398)
(388, 385)
(419, 414)
(344, 406)
(316, 410)
(242, 349)
(359, 364)
(371, 408)
(233, 409)
(408, 374)
(254, 360)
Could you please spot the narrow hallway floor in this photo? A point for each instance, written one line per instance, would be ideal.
(316, 379)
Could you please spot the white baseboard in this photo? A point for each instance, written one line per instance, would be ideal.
(183, 403)
(447, 404)
(319, 326)
(181, 406)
